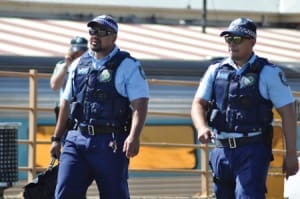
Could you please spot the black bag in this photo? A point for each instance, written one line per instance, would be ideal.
(43, 186)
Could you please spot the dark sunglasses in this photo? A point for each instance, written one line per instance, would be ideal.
(100, 33)
(235, 39)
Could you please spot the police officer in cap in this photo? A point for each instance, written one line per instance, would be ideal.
(107, 98)
(78, 45)
(233, 109)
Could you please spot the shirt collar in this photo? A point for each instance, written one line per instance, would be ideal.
(231, 63)
(99, 62)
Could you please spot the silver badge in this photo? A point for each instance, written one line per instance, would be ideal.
(105, 76)
(248, 80)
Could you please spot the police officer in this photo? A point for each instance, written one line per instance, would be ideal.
(233, 108)
(78, 45)
(107, 97)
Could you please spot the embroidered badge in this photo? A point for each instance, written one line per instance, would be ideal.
(104, 76)
(282, 78)
(248, 80)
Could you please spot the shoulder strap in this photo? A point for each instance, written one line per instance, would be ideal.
(258, 64)
(117, 59)
(84, 60)
(220, 66)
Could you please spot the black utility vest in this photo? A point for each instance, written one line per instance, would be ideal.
(237, 105)
(95, 92)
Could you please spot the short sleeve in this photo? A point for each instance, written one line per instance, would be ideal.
(274, 86)
(67, 94)
(131, 81)
(205, 87)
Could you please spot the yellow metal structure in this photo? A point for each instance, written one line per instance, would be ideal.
(275, 180)
(166, 157)
(149, 157)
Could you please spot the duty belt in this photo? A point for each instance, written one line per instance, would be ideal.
(95, 130)
(236, 142)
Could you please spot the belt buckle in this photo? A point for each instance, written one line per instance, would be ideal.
(91, 129)
(232, 143)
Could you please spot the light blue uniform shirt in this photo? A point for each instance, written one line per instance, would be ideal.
(272, 84)
(58, 67)
(130, 80)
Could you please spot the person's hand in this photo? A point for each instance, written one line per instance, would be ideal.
(55, 150)
(131, 146)
(205, 135)
(69, 57)
(290, 165)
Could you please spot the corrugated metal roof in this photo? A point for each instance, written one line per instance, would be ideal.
(40, 37)
(33, 37)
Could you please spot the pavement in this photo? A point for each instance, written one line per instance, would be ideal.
(160, 187)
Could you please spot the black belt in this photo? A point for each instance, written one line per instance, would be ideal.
(95, 130)
(236, 142)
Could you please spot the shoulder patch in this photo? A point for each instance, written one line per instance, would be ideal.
(282, 78)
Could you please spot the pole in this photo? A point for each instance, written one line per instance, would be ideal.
(204, 20)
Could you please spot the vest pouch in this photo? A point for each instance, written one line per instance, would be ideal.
(121, 109)
(76, 111)
(237, 119)
(215, 119)
(212, 115)
(242, 116)
(242, 120)
(95, 109)
(230, 118)
(266, 115)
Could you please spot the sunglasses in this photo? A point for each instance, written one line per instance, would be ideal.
(235, 39)
(100, 33)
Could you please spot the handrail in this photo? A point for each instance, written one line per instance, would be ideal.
(172, 82)
(32, 109)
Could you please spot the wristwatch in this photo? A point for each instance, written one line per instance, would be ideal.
(55, 139)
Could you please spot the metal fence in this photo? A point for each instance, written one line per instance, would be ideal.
(32, 110)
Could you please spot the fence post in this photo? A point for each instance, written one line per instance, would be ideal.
(205, 192)
(32, 123)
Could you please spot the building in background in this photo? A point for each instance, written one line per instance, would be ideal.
(265, 12)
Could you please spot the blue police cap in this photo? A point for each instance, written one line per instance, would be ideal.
(78, 43)
(241, 27)
(104, 20)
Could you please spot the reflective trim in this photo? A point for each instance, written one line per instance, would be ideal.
(225, 135)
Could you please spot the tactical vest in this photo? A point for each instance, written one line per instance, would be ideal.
(96, 100)
(237, 105)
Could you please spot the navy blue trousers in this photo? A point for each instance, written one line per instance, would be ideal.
(241, 173)
(86, 158)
